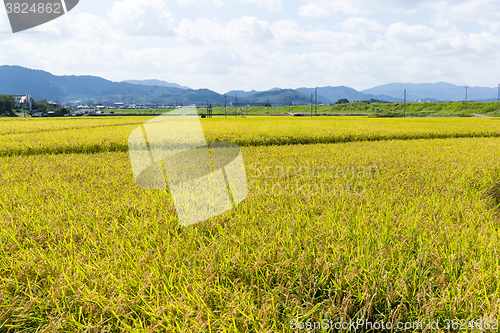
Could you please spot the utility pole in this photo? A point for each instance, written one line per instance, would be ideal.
(246, 102)
(289, 104)
(499, 92)
(311, 105)
(316, 101)
(404, 110)
(235, 104)
(466, 94)
(225, 110)
(268, 106)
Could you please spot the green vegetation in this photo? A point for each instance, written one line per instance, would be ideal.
(439, 108)
(41, 106)
(359, 107)
(61, 110)
(138, 111)
(7, 104)
(339, 227)
(415, 109)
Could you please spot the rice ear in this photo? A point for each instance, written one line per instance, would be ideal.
(493, 195)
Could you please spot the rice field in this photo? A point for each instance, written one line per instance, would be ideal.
(109, 134)
(386, 220)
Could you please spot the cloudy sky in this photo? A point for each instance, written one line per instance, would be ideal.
(260, 44)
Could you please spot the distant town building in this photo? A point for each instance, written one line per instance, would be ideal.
(53, 104)
(23, 101)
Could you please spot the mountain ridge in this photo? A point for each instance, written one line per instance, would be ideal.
(67, 88)
(156, 82)
(435, 92)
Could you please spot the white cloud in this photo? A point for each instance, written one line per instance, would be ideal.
(315, 7)
(313, 10)
(142, 17)
(4, 20)
(361, 25)
(289, 33)
(425, 41)
(484, 12)
(400, 32)
(84, 27)
(250, 28)
(237, 31)
(270, 5)
(3, 17)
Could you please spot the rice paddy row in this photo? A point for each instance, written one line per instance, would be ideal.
(92, 135)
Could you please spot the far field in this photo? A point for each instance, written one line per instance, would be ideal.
(381, 219)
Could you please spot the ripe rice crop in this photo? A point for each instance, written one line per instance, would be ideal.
(102, 135)
(37, 125)
(389, 230)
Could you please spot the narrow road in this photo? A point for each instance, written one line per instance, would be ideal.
(481, 115)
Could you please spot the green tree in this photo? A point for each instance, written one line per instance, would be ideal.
(342, 101)
(40, 106)
(7, 104)
(61, 110)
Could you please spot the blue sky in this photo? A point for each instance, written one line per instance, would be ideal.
(257, 44)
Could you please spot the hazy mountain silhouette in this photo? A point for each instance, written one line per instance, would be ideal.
(241, 93)
(155, 82)
(434, 92)
(333, 94)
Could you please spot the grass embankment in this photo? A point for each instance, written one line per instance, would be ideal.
(440, 108)
(393, 231)
(377, 109)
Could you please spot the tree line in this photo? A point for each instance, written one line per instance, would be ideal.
(8, 107)
(44, 107)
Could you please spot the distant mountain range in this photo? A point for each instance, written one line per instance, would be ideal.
(155, 82)
(333, 94)
(435, 92)
(43, 85)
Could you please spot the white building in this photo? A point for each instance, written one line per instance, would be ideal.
(23, 101)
